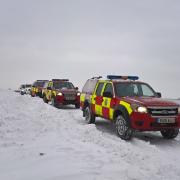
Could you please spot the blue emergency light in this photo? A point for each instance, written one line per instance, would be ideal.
(134, 78)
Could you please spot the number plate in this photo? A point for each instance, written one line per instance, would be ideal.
(166, 120)
(70, 98)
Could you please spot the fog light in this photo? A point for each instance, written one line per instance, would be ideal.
(139, 123)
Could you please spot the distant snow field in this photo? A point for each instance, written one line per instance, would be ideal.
(40, 142)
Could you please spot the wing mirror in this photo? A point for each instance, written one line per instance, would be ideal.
(107, 94)
(158, 94)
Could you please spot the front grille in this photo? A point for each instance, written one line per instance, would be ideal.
(163, 111)
(69, 97)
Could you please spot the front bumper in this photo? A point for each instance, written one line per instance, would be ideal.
(146, 122)
(60, 100)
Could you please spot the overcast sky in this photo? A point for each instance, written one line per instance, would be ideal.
(78, 39)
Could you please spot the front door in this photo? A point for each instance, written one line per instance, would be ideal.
(99, 99)
(107, 110)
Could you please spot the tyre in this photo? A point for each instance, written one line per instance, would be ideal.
(170, 133)
(122, 128)
(77, 106)
(45, 99)
(53, 102)
(89, 116)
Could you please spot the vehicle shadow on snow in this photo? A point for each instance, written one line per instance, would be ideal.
(105, 126)
(66, 107)
(154, 138)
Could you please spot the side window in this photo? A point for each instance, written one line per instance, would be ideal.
(45, 85)
(146, 90)
(50, 84)
(135, 89)
(109, 88)
(89, 86)
(99, 89)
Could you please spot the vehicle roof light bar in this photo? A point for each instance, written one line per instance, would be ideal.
(113, 77)
(98, 77)
(60, 79)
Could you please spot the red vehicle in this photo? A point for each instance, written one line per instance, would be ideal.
(132, 105)
(61, 92)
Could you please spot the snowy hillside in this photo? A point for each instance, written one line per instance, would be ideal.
(39, 142)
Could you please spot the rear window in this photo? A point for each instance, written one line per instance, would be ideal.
(89, 86)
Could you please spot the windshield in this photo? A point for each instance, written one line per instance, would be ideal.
(134, 89)
(39, 83)
(22, 86)
(61, 85)
(28, 85)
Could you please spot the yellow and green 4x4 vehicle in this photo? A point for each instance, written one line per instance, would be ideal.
(61, 92)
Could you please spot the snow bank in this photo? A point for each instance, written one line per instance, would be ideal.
(40, 142)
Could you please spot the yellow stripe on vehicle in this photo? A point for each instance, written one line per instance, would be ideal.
(106, 102)
(98, 109)
(54, 93)
(111, 113)
(82, 97)
(127, 106)
(93, 99)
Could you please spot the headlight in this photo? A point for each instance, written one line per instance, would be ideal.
(178, 110)
(142, 109)
(78, 94)
(60, 94)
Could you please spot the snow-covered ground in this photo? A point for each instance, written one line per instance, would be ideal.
(39, 142)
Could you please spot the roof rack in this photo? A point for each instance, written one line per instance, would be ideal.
(60, 79)
(98, 77)
(134, 78)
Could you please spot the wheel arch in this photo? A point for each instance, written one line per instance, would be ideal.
(121, 110)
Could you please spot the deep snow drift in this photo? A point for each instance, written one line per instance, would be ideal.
(39, 142)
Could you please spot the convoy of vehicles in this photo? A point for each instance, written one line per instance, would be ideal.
(130, 104)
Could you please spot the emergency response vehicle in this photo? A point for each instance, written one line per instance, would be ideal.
(36, 89)
(132, 105)
(61, 92)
